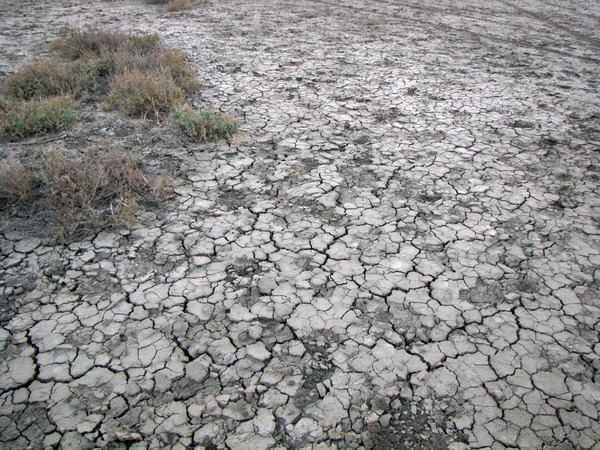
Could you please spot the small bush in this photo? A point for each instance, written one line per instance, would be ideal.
(178, 5)
(95, 43)
(43, 78)
(79, 194)
(173, 63)
(200, 125)
(32, 117)
(137, 95)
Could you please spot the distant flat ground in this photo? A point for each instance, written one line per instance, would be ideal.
(399, 250)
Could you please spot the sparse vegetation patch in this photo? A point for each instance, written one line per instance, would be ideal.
(77, 192)
(81, 192)
(96, 43)
(136, 72)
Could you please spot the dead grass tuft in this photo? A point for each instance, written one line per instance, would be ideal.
(178, 5)
(43, 78)
(94, 43)
(15, 182)
(79, 194)
(173, 63)
(369, 22)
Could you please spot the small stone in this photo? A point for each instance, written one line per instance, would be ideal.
(243, 442)
(51, 440)
(307, 429)
(162, 382)
(207, 433)
(40, 392)
(127, 436)
(20, 396)
(239, 313)
(90, 423)
(296, 348)
(586, 407)
(20, 371)
(384, 420)
(472, 316)
(264, 422)
(272, 398)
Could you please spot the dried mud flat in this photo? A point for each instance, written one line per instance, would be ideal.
(400, 251)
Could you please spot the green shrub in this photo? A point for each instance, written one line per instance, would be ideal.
(21, 119)
(200, 125)
(137, 95)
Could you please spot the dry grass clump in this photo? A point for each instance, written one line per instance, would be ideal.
(201, 125)
(178, 5)
(78, 194)
(369, 22)
(173, 62)
(15, 182)
(172, 5)
(95, 43)
(43, 78)
(137, 94)
(20, 119)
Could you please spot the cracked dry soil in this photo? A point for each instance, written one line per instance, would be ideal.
(400, 251)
